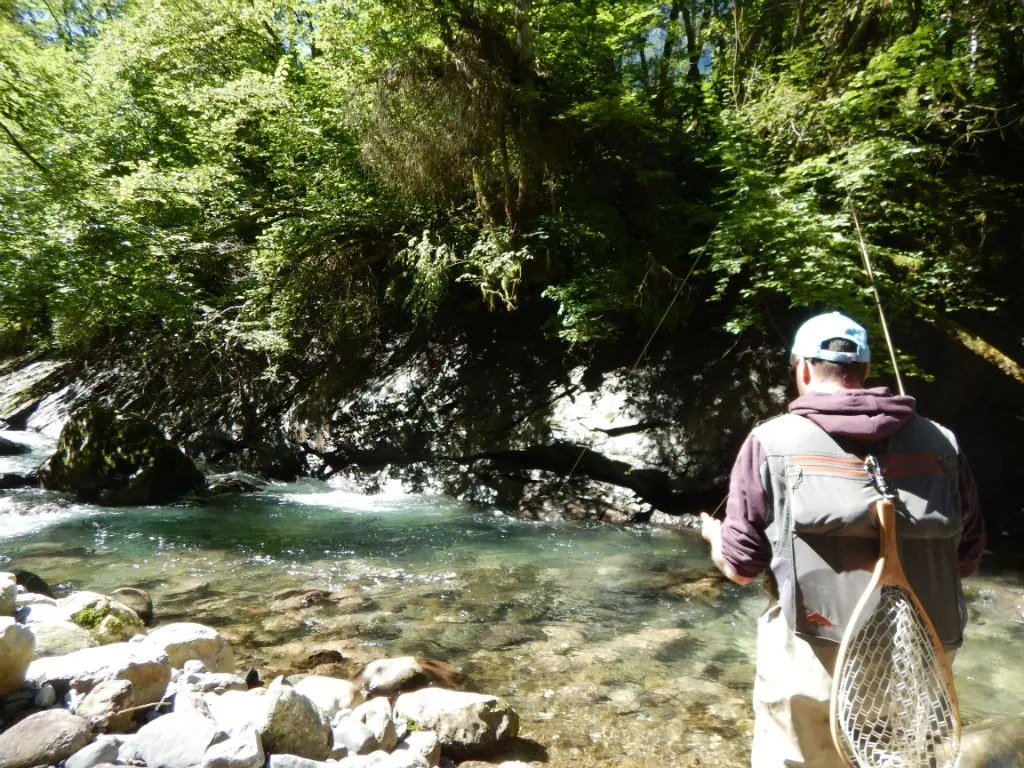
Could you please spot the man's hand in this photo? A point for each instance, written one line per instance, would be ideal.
(711, 531)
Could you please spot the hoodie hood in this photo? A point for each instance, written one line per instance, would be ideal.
(859, 414)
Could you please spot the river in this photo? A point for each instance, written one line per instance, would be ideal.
(616, 644)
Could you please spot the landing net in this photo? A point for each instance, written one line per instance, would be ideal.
(894, 706)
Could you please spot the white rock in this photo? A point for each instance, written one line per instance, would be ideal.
(106, 697)
(294, 761)
(351, 737)
(16, 644)
(244, 751)
(378, 759)
(57, 638)
(146, 667)
(184, 641)
(35, 612)
(103, 750)
(405, 760)
(376, 715)
(329, 694)
(45, 697)
(126, 752)
(177, 740)
(8, 593)
(424, 744)
(108, 620)
(211, 682)
(194, 667)
(33, 598)
(237, 712)
(192, 701)
(466, 724)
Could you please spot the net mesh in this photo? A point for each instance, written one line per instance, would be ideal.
(894, 706)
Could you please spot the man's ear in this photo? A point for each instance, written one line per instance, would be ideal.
(803, 371)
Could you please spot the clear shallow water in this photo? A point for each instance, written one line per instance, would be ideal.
(614, 644)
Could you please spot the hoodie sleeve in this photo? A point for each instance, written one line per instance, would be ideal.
(972, 537)
(744, 544)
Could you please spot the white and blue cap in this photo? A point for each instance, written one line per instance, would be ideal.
(816, 333)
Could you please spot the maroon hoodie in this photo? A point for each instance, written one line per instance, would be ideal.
(850, 416)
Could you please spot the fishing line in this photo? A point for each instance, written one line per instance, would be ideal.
(874, 289)
(632, 370)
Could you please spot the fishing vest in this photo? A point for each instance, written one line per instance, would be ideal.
(824, 533)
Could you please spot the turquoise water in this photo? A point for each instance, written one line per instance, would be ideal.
(616, 645)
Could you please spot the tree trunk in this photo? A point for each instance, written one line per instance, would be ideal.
(665, 66)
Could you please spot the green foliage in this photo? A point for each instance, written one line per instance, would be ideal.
(261, 180)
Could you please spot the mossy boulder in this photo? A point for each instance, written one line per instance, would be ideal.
(118, 459)
(107, 620)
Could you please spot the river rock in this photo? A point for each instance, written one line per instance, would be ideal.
(34, 609)
(995, 743)
(8, 594)
(176, 740)
(244, 751)
(329, 694)
(44, 738)
(105, 698)
(234, 482)
(209, 682)
(138, 600)
(11, 448)
(183, 641)
(102, 751)
(294, 761)
(16, 644)
(116, 459)
(423, 744)
(108, 620)
(237, 712)
(146, 667)
(467, 724)
(57, 638)
(292, 725)
(376, 715)
(402, 674)
(32, 583)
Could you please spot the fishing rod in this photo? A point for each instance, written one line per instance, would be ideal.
(874, 289)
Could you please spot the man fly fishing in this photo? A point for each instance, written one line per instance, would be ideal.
(801, 509)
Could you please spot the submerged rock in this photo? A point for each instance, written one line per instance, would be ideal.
(118, 459)
(993, 744)
(11, 448)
